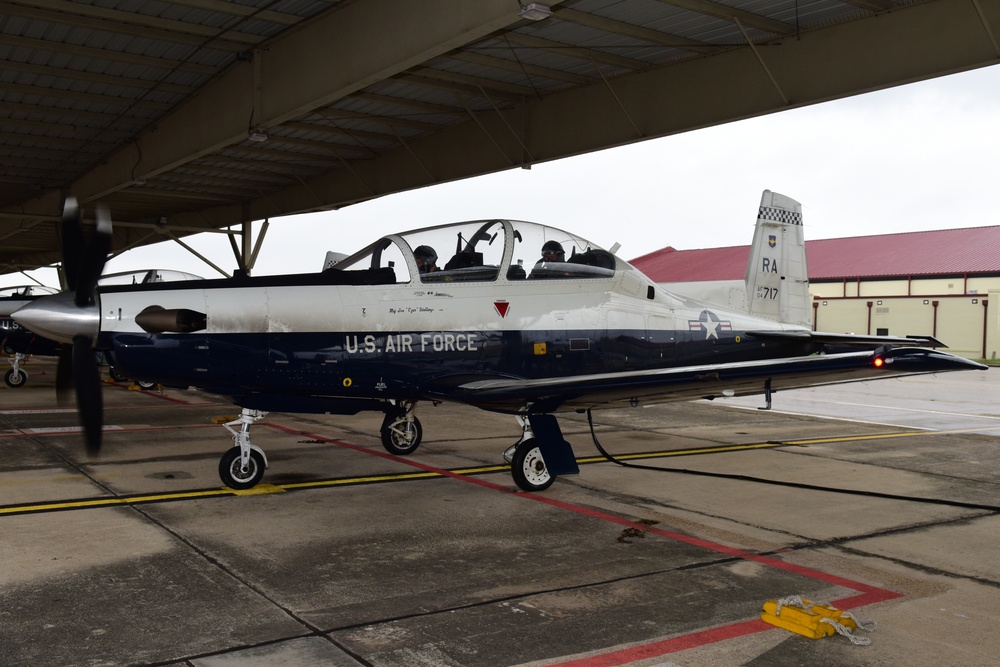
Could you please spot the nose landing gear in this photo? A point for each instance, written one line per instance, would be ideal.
(401, 430)
(243, 465)
(16, 377)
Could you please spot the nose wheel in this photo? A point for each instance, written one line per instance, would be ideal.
(401, 431)
(235, 474)
(16, 377)
(243, 464)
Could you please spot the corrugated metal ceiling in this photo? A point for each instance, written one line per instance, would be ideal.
(85, 82)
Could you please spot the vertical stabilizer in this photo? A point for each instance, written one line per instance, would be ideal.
(777, 281)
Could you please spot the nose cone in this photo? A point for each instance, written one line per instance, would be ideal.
(59, 318)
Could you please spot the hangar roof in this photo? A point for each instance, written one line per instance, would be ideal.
(195, 115)
(974, 250)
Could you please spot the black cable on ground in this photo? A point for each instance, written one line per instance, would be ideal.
(794, 485)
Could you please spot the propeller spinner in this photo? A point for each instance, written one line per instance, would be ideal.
(73, 317)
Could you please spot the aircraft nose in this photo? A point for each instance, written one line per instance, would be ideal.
(59, 318)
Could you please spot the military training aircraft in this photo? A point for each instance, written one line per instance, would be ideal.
(17, 341)
(491, 321)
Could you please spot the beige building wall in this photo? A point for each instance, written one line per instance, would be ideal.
(901, 287)
(961, 322)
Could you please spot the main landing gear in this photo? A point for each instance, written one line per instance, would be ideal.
(535, 460)
(16, 377)
(243, 465)
(540, 455)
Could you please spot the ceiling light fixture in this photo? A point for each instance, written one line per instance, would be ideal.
(258, 135)
(535, 11)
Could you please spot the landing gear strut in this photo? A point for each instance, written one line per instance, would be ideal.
(540, 455)
(243, 465)
(401, 430)
(527, 466)
(16, 377)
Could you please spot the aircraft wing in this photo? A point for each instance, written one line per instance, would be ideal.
(848, 339)
(559, 394)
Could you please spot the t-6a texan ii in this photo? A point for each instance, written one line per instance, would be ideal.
(509, 316)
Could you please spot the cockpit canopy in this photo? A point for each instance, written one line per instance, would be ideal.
(26, 292)
(146, 277)
(484, 251)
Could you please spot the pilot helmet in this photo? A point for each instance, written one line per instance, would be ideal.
(553, 248)
(426, 255)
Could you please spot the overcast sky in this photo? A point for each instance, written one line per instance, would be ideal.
(912, 158)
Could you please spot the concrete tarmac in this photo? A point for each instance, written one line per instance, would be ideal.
(882, 498)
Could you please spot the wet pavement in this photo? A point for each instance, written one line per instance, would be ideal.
(346, 555)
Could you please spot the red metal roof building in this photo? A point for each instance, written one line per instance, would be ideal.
(945, 283)
(973, 250)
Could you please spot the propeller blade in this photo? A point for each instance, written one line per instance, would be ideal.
(72, 242)
(92, 262)
(89, 402)
(64, 375)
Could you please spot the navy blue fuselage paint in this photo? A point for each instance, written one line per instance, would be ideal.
(396, 365)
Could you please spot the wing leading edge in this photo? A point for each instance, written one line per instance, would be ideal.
(560, 394)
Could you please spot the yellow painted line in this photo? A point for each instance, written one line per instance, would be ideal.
(112, 502)
(263, 489)
(374, 479)
(259, 490)
(886, 436)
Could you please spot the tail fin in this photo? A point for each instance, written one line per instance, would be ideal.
(777, 282)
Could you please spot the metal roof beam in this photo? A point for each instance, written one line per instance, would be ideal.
(589, 55)
(131, 23)
(631, 30)
(924, 40)
(83, 75)
(236, 9)
(727, 13)
(104, 55)
(295, 77)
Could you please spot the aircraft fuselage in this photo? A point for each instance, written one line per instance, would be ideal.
(270, 345)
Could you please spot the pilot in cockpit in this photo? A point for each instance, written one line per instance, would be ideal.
(552, 251)
(426, 259)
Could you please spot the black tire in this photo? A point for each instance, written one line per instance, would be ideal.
(401, 436)
(528, 468)
(145, 386)
(233, 476)
(114, 375)
(15, 379)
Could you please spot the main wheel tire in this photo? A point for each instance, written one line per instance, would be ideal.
(15, 379)
(528, 468)
(115, 375)
(401, 436)
(232, 473)
(145, 386)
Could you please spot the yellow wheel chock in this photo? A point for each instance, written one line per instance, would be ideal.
(814, 620)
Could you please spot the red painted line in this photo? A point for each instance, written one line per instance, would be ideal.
(110, 431)
(687, 539)
(868, 594)
(155, 394)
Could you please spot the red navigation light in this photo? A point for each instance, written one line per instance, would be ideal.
(878, 362)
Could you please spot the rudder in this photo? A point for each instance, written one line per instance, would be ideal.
(777, 281)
